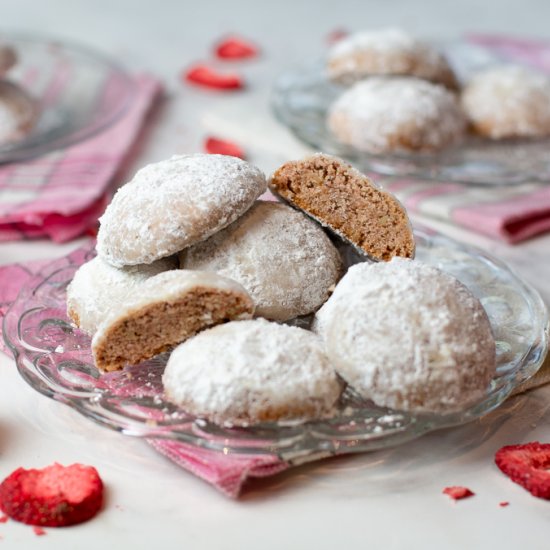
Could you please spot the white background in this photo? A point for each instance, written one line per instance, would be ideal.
(389, 499)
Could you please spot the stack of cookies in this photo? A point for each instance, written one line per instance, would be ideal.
(190, 261)
(403, 96)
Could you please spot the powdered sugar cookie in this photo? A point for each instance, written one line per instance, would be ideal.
(508, 101)
(174, 204)
(409, 337)
(384, 115)
(252, 371)
(97, 288)
(341, 198)
(387, 52)
(164, 311)
(8, 58)
(18, 112)
(283, 259)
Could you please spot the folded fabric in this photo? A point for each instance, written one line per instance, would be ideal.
(62, 194)
(510, 213)
(227, 473)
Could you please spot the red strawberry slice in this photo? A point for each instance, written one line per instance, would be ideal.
(527, 465)
(52, 497)
(336, 35)
(236, 48)
(458, 493)
(217, 146)
(201, 75)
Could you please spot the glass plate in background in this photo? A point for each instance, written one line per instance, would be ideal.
(301, 99)
(55, 359)
(78, 93)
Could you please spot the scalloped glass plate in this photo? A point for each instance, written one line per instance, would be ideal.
(55, 359)
(301, 98)
(78, 92)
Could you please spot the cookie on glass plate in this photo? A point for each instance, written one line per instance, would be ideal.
(283, 259)
(97, 288)
(509, 101)
(408, 336)
(387, 52)
(387, 115)
(335, 194)
(176, 203)
(164, 311)
(255, 371)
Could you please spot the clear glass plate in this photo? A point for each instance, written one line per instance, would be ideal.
(301, 98)
(78, 93)
(55, 359)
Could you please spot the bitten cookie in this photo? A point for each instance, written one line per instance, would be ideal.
(283, 259)
(409, 337)
(164, 311)
(176, 203)
(387, 52)
(384, 115)
(97, 288)
(344, 200)
(507, 102)
(252, 371)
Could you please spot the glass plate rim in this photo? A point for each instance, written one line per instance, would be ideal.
(14, 153)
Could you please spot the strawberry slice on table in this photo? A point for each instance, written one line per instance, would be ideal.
(527, 465)
(457, 493)
(217, 146)
(235, 47)
(202, 75)
(54, 496)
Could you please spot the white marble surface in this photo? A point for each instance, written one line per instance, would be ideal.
(390, 499)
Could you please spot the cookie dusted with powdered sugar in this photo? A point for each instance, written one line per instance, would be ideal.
(283, 259)
(18, 112)
(508, 102)
(176, 203)
(409, 337)
(384, 115)
(164, 311)
(8, 58)
(347, 202)
(387, 52)
(252, 371)
(97, 288)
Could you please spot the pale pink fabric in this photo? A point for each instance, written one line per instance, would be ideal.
(524, 213)
(64, 192)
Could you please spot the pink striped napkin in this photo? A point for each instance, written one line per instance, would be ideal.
(510, 213)
(61, 195)
(227, 473)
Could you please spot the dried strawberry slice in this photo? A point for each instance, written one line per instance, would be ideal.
(236, 48)
(527, 465)
(458, 493)
(336, 35)
(217, 146)
(52, 497)
(201, 75)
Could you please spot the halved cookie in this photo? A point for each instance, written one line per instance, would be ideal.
(347, 202)
(166, 310)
